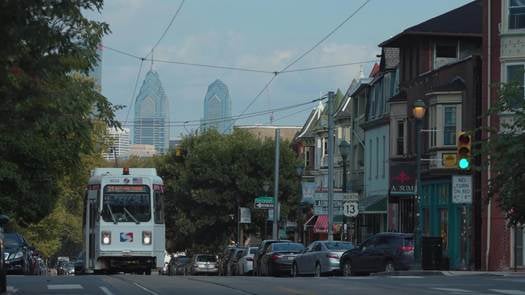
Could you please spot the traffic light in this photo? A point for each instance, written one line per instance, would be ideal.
(464, 148)
(180, 153)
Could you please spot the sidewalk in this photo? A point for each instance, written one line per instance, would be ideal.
(451, 273)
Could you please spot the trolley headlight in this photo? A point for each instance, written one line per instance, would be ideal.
(106, 237)
(146, 237)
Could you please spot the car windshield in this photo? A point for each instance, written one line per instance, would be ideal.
(206, 258)
(11, 240)
(126, 203)
(182, 259)
(285, 247)
(334, 246)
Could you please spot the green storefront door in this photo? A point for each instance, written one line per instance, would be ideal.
(449, 221)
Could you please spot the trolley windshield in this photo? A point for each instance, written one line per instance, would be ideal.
(126, 203)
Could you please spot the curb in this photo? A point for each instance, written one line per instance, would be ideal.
(410, 273)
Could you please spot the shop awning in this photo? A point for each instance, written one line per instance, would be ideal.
(373, 205)
(321, 225)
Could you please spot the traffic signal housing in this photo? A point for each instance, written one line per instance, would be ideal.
(464, 151)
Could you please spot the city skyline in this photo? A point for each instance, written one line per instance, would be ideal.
(217, 108)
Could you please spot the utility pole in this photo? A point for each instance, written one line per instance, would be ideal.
(275, 232)
(330, 166)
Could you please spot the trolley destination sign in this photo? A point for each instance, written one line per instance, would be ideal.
(263, 202)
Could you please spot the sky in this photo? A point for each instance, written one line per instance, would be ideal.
(264, 34)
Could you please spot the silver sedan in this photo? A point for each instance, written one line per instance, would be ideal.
(320, 257)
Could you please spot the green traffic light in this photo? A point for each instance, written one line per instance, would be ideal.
(464, 164)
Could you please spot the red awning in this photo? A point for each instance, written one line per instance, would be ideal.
(321, 224)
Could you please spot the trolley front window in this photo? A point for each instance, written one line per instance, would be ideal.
(126, 203)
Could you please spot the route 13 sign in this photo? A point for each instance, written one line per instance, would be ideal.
(350, 209)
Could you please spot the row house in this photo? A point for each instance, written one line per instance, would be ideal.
(439, 64)
(504, 61)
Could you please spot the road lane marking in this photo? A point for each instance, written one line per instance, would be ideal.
(106, 290)
(508, 292)
(65, 287)
(146, 289)
(406, 277)
(453, 290)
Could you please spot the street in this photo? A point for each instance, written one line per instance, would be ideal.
(155, 284)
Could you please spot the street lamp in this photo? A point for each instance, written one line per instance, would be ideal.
(418, 110)
(344, 150)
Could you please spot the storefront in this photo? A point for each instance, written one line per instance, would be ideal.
(451, 221)
(401, 200)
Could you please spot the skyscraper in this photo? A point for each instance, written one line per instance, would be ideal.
(217, 108)
(151, 124)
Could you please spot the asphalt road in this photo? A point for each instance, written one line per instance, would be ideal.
(155, 284)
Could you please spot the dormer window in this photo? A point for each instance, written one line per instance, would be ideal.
(445, 53)
(516, 14)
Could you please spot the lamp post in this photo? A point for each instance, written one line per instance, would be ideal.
(300, 170)
(418, 110)
(344, 150)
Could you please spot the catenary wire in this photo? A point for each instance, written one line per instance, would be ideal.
(329, 66)
(167, 29)
(292, 114)
(134, 90)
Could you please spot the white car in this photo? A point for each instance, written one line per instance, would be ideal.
(245, 263)
(167, 259)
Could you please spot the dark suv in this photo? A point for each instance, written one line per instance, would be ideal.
(17, 254)
(382, 252)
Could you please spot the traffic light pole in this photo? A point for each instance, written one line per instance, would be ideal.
(419, 216)
(330, 166)
(275, 228)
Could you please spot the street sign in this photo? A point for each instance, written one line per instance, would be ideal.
(461, 189)
(449, 160)
(350, 209)
(246, 215)
(263, 203)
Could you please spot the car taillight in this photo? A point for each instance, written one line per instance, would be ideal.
(406, 248)
(276, 256)
(106, 237)
(331, 255)
(249, 259)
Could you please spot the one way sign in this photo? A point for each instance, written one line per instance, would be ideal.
(263, 203)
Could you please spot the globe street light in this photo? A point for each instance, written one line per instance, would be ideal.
(418, 110)
(344, 150)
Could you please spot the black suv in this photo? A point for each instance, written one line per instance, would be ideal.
(382, 252)
(17, 255)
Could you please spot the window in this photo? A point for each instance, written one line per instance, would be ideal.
(370, 160)
(377, 157)
(307, 157)
(445, 53)
(159, 208)
(126, 203)
(449, 132)
(433, 126)
(516, 14)
(325, 146)
(384, 155)
(400, 142)
(515, 75)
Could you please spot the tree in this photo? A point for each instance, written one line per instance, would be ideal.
(217, 174)
(48, 108)
(505, 149)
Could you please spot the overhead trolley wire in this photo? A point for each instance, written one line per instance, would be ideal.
(167, 29)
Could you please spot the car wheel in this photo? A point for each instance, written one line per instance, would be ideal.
(347, 269)
(294, 270)
(389, 266)
(317, 272)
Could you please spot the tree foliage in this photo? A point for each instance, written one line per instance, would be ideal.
(505, 149)
(47, 105)
(217, 174)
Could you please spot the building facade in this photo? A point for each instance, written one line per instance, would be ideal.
(119, 143)
(151, 123)
(217, 108)
(504, 61)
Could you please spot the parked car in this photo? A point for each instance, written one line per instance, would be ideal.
(17, 254)
(381, 252)
(79, 264)
(261, 250)
(232, 262)
(224, 259)
(202, 264)
(3, 282)
(279, 258)
(320, 257)
(245, 263)
(177, 265)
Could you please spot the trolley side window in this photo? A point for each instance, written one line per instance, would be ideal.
(126, 203)
(158, 203)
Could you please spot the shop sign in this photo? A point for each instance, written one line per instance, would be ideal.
(309, 189)
(402, 180)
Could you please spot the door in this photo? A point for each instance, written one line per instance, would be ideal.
(301, 259)
(378, 254)
(92, 215)
(361, 258)
(312, 257)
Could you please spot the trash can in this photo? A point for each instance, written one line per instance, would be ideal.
(431, 253)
